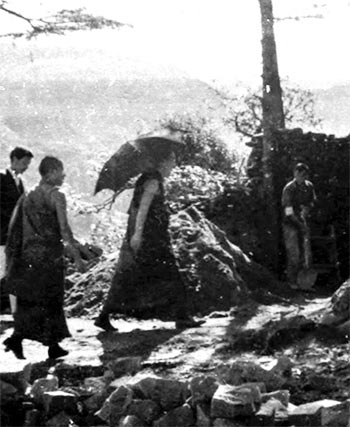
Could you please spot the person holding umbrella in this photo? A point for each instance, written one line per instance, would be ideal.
(146, 259)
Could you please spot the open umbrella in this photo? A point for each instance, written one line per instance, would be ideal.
(133, 158)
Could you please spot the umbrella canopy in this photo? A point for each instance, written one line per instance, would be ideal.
(133, 158)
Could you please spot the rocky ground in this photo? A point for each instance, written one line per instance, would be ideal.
(264, 356)
(254, 334)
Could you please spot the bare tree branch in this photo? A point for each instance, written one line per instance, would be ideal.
(59, 23)
(244, 112)
(240, 130)
(299, 18)
(18, 15)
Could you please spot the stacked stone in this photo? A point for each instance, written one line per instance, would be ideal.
(328, 159)
(237, 394)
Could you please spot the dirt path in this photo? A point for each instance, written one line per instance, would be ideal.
(157, 343)
(158, 348)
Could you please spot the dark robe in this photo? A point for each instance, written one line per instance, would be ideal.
(148, 283)
(35, 272)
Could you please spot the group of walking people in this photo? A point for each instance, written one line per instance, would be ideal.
(35, 232)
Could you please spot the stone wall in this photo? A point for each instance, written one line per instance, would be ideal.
(328, 159)
(236, 394)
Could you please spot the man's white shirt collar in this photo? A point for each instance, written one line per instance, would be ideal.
(15, 176)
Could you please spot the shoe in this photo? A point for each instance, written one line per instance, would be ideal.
(15, 345)
(188, 323)
(104, 323)
(55, 351)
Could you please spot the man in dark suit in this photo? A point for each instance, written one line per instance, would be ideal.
(11, 189)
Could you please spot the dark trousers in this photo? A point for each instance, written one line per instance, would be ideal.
(294, 251)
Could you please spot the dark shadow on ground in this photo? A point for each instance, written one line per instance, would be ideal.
(136, 343)
(276, 334)
(238, 338)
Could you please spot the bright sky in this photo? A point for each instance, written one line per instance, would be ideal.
(220, 39)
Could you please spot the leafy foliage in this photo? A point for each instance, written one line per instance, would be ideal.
(78, 19)
(244, 110)
(203, 147)
(192, 184)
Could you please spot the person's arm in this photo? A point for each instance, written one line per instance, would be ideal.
(150, 189)
(59, 201)
(305, 210)
(4, 202)
(288, 210)
(313, 196)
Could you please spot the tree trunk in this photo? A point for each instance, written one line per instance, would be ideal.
(273, 118)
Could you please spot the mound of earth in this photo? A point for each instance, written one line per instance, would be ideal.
(217, 274)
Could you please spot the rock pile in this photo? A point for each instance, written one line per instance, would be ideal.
(237, 394)
(217, 273)
(338, 311)
(86, 292)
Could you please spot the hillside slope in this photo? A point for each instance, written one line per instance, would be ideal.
(81, 95)
(60, 97)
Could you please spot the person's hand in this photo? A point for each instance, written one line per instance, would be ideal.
(72, 251)
(80, 265)
(305, 210)
(135, 242)
(69, 250)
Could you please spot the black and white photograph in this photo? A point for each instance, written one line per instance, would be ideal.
(174, 211)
